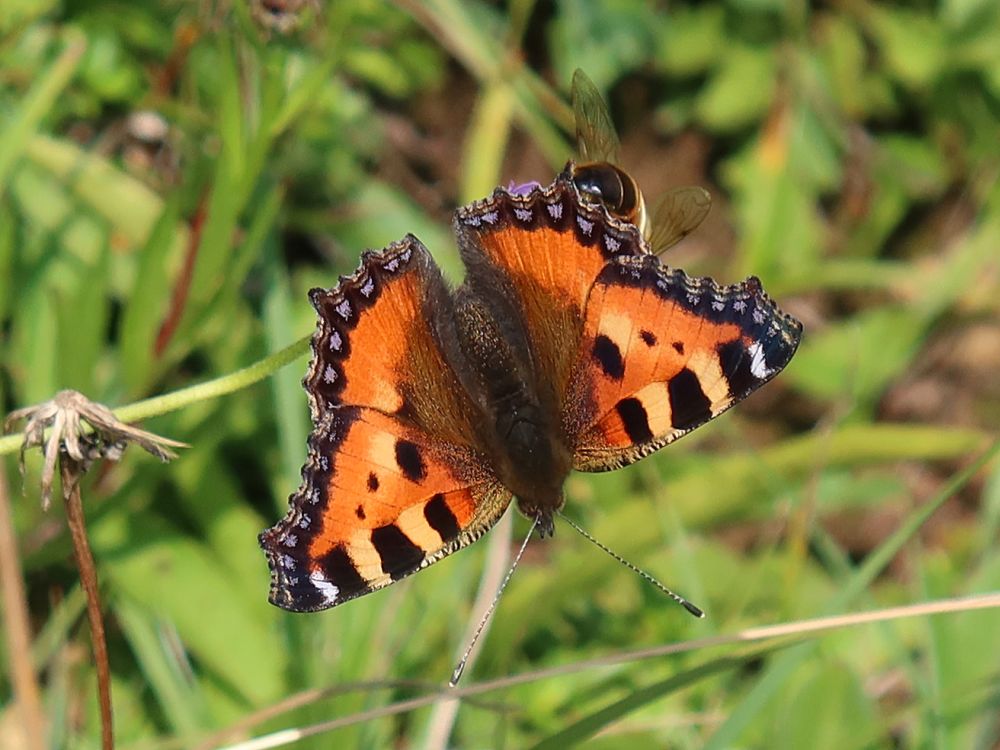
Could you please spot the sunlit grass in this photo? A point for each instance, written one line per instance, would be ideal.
(167, 278)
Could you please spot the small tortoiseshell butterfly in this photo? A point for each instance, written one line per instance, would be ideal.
(568, 346)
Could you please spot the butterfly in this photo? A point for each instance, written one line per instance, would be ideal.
(599, 179)
(569, 346)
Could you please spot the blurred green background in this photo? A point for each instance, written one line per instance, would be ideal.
(175, 175)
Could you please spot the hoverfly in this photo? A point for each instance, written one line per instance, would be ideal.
(600, 180)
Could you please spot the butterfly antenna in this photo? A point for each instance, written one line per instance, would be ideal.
(460, 667)
(642, 573)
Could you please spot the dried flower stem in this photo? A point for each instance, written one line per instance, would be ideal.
(16, 627)
(71, 473)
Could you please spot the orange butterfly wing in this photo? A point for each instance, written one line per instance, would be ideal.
(636, 354)
(395, 479)
(662, 353)
(548, 248)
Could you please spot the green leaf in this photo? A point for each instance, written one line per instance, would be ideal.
(8, 238)
(856, 359)
(183, 582)
(605, 39)
(127, 203)
(842, 51)
(33, 348)
(781, 669)
(691, 38)
(917, 165)
(110, 73)
(740, 90)
(83, 314)
(912, 43)
(825, 708)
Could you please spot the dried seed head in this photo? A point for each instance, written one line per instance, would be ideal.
(104, 436)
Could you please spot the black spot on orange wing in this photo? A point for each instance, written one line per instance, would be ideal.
(634, 419)
(734, 360)
(689, 406)
(398, 553)
(360, 512)
(440, 518)
(337, 567)
(667, 390)
(372, 481)
(648, 337)
(409, 460)
(609, 357)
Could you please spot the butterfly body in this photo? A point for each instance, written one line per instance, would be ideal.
(569, 345)
(519, 423)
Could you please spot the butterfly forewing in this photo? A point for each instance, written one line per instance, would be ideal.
(549, 248)
(395, 479)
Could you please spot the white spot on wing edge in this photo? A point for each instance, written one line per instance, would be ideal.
(327, 590)
(758, 364)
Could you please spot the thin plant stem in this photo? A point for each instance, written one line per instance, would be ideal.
(442, 718)
(221, 386)
(794, 632)
(71, 472)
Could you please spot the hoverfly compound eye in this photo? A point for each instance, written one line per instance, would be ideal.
(606, 184)
(589, 185)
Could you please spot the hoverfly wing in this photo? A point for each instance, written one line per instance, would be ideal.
(596, 139)
(677, 213)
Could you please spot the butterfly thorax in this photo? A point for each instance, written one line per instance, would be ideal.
(520, 428)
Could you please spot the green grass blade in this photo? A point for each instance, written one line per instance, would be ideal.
(37, 103)
(175, 693)
(778, 671)
(588, 726)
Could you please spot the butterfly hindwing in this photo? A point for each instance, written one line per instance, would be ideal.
(395, 479)
(662, 353)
